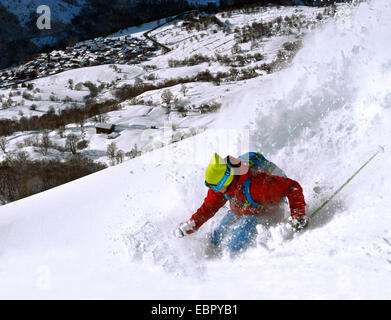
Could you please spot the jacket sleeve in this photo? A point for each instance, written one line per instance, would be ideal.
(212, 203)
(296, 199)
(279, 187)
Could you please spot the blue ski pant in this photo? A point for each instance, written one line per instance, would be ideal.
(242, 235)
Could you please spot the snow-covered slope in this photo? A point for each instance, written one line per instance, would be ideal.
(109, 235)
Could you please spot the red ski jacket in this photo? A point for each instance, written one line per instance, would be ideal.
(265, 189)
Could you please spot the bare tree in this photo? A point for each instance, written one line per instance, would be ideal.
(82, 128)
(184, 90)
(139, 84)
(94, 90)
(71, 143)
(111, 151)
(61, 131)
(236, 49)
(133, 153)
(22, 157)
(45, 143)
(119, 156)
(3, 144)
(101, 118)
(82, 144)
(167, 97)
(79, 86)
(70, 82)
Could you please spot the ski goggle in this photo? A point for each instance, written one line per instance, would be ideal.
(217, 187)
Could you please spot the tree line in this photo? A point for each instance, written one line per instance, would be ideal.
(21, 177)
(52, 120)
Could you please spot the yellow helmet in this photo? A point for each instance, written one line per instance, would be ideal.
(216, 171)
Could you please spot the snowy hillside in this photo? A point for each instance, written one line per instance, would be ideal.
(193, 101)
(109, 235)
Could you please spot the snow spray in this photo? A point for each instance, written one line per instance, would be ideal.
(380, 149)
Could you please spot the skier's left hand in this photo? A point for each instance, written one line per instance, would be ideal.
(298, 223)
(185, 228)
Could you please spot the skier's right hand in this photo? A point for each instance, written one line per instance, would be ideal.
(299, 223)
(184, 229)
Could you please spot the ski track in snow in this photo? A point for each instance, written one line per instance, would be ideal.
(319, 120)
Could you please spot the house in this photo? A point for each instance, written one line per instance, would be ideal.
(104, 128)
(93, 47)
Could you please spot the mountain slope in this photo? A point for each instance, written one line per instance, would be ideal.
(109, 235)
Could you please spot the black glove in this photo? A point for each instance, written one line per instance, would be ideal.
(298, 223)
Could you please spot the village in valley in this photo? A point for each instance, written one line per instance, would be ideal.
(98, 51)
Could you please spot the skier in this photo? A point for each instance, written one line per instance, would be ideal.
(255, 189)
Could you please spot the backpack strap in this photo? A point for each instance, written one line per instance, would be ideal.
(247, 194)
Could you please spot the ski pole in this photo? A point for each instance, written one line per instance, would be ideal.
(381, 149)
